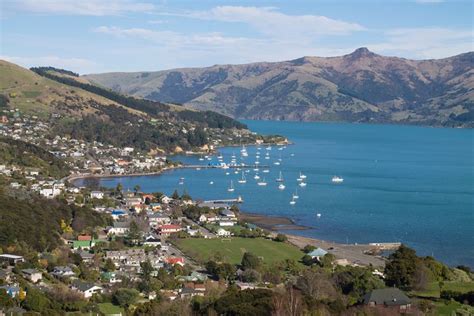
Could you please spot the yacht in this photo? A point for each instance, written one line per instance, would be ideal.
(292, 202)
(337, 179)
(256, 177)
(281, 186)
(242, 180)
(280, 178)
(276, 163)
(302, 184)
(299, 180)
(295, 195)
(318, 215)
(302, 176)
(227, 173)
(211, 182)
(269, 148)
(201, 159)
(266, 171)
(262, 183)
(231, 188)
(181, 180)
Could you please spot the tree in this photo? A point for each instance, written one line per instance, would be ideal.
(307, 260)
(401, 268)
(281, 238)
(136, 188)
(109, 265)
(308, 248)
(134, 234)
(185, 196)
(250, 261)
(119, 188)
(175, 195)
(125, 297)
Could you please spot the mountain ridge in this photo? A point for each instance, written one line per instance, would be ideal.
(359, 87)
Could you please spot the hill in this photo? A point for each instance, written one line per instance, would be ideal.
(72, 106)
(358, 87)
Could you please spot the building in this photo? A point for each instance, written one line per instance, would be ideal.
(152, 241)
(391, 298)
(86, 289)
(226, 223)
(32, 274)
(169, 229)
(221, 232)
(97, 195)
(11, 259)
(119, 228)
(317, 253)
(12, 290)
(62, 271)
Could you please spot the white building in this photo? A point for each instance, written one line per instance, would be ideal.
(221, 232)
(97, 195)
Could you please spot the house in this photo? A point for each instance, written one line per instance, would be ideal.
(5, 275)
(11, 259)
(317, 253)
(118, 214)
(50, 192)
(166, 200)
(214, 206)
(82, 244)
(169, 229)
(391, 298)
(86, 256)
(152, 241)
(227, 213)
(110, 277)
(202, 218)
(12, 290)
(62, 271)
(193, 277)
(190, 292)
(119, 228)
(245, 286)
(226, 223)
(158, 219)
(84, 237)
(32, 274)
(175, 260)
(221, 232)
(97, 195)
(86, 289)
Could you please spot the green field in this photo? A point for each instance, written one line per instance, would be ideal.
(232, 250)
(432, 289)
(448, 308)
(109, 309)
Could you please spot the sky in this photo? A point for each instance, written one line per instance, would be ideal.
(92, 36)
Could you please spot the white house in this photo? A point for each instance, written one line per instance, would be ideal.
(50, 192)
(226, 223)
(32, 274)
(87, 289)
(62, 271)
(97, 195)
(221, 232)
(165, 199)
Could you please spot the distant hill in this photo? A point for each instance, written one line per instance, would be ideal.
(77, 108)
(358, 87)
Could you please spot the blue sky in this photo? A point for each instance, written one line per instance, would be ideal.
(89, 36)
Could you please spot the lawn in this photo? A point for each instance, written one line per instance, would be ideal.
(432, 289)
(232, 249)
(448, 308)
(109, 309)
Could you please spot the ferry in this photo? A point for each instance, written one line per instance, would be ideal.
(337, 179)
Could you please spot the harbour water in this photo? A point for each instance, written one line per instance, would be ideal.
(401, 183)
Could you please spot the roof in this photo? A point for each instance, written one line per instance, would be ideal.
(81, 243)
(318, 252)
(30, 271)
(170, 226)
(11, 256)
(82, 286)
(389, 297)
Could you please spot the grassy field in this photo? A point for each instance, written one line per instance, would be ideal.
(109, 308)
(433, 288)
(232, 250)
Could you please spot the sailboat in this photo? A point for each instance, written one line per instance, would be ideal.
(337, 179)
(256, 177)
(243, 180)
(231, 188)
(181, 180)
(302, 176)
(280, 178)
(262, 183)
(281, 186)
(292, 202)
(295, 195)
(302, 184)
(266, 171)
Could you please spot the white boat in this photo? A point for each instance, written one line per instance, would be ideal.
(281, 186)
(299, 180)
(227, 173)
(255, 169)
(292, 155)
(337, 179)
(295, 195)
(280, 178)
(256, 177)
(266, 171)
(276, 163)
(292, 202)
(262, 183)
(269, 148)
(302, 176)
(231, 188)
(267, 157)
(220, 157)
(244, 154)
(201, 159)
(302, 184)
(318, 215)
(211, 182)
(243, 180)
(198, 168)
(236, 172)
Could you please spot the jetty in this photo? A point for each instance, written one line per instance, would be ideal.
(226, 201)
(225, 166)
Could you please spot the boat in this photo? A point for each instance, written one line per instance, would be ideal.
(318, 215)
(262, 183)
(281, 186)
(201, 159)
(302, 184)
(267, 157)
(276, 163)
(231, 188)
(292, 202)
(299, 180)
(198, 168)
(211, 182)
(302, 176)
(227, 173)
(243, 180)
(181, 181)
(337, 179)
(269, 148)
(295, 195)
(220, 157)
(256, 177)
(280, 178)
(266, 171)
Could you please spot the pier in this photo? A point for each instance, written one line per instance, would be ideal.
(225, 166)
(226, 201)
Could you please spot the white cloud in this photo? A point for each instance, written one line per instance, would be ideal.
(422, 43)
(79, 65)
(80, 7)
(270, 22)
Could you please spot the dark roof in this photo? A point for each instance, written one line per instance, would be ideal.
(389, 297)
(82, 286)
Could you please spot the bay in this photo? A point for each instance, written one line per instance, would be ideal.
(401, 183)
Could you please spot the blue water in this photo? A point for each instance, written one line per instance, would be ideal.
(401, 183)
